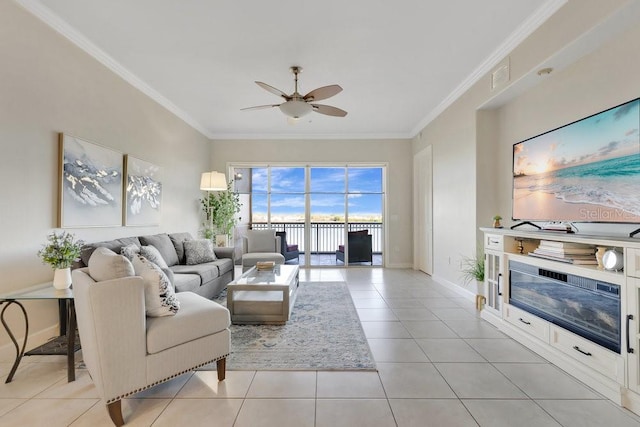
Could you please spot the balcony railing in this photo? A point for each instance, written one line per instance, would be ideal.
(325, 236)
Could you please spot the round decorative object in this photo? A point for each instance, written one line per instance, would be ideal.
(612, 260)
(62, 278)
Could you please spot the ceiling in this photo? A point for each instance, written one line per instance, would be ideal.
(400, 63)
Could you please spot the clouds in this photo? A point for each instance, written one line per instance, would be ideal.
(282, 190)
(623, 110)
(609, 148)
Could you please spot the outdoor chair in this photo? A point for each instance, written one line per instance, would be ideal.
(360, 247)
(289, 252)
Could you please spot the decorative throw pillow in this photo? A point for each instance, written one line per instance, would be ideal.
(105, 264)
(198, 251)
(153, 255)
(261, 240)
(159, 297)
(178, 239)
(163, 244)
(130, 251)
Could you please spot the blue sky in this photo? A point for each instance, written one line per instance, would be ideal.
(328, 186)
(612, 133)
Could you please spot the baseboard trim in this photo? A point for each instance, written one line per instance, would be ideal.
(471, 296)
(404, 265)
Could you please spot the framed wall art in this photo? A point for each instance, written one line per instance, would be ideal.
(143, 194)
(90, 184)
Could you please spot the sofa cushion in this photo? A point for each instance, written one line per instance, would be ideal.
(207, 271)
(105, 264)
(198, 317)
(178, 240)
(130, 251)
(114, 245)
(159, 297)
(153, 255)
(162, 243)
(225, 265)
(198, 251)
(186, 282)
(261, 240)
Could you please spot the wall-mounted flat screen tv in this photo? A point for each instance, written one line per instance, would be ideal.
(586, 171)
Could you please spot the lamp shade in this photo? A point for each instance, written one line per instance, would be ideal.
(295, 108)
(213, 181)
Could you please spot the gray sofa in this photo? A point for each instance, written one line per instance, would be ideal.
(207, 279)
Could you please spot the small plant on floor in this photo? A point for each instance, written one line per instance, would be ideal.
(473, 268)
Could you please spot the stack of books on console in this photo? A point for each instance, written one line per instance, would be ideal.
(569, 252)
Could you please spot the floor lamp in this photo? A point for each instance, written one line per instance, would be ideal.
(212, 181)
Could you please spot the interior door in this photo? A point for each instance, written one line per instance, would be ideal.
(422, 211)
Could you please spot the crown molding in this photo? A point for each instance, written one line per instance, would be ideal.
(522, 32)
(52, 20)
(297, 136)
(45, 14)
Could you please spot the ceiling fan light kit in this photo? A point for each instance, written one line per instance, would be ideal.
(295, 108)
(296, 105)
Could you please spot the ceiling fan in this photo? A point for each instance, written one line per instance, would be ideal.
(297, 105)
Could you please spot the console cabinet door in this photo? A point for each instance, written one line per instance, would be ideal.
(494, 281)
(633, 333)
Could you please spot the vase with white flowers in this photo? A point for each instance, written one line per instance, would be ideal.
(60, 252)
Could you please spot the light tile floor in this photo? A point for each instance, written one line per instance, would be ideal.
(438, 365)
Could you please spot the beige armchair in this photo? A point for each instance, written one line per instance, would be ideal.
(127, 352)
(260, 245)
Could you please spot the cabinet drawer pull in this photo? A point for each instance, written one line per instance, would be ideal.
(524, 321)
(586, 353)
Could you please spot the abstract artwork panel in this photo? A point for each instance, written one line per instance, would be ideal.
(90, 192)
(143, 192)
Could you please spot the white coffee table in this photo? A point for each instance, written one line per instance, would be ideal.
(263, 297)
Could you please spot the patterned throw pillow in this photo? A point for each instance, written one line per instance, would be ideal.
(153, 255)
(130, 251)
(198, 251)
(159, 297)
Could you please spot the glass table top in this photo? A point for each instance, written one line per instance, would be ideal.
(279, 275)
(40, 291)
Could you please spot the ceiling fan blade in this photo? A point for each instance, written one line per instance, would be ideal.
(273, 90)
(328, 110)
(323, 93)
(260, 107)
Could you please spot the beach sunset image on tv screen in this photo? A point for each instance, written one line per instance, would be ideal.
(587, 171)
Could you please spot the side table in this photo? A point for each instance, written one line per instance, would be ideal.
(65, 344)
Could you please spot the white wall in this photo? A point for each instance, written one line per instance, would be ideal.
(48, 85)
(397, 153)
(472, 149)
(605, 78)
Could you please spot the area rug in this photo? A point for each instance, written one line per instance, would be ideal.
(323, 333)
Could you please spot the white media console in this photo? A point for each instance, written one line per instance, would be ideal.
(612, 373)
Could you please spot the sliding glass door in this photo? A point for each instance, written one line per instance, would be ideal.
(333, 215)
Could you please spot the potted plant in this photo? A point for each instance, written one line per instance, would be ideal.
(496, 221)
(220, 208)
(473, 271)
(60, 252)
